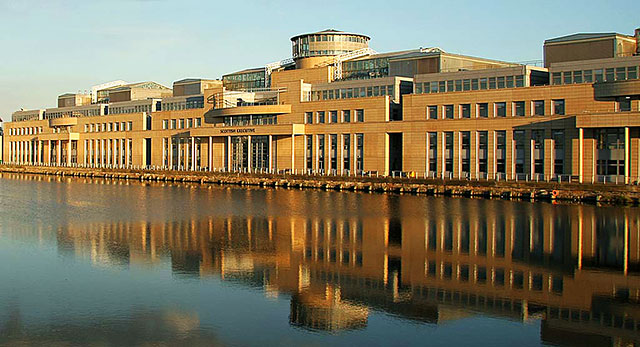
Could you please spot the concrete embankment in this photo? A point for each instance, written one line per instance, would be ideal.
(550, 191)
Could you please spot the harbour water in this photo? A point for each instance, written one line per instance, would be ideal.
(112, 262)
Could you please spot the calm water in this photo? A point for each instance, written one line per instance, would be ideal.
(114, 263)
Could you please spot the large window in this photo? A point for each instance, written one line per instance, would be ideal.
(518, 108)
(501, 151)
(334, 116)
(483, 110)
(448, 111)
(359, 152)
(448, 151)
(320, 116)
(432, 145)
(538, 107)
(359, 115)
(346, 116)
(501, 109)
(308, 117)
(465, 110)
(558, 107)
(432, 112)
(346, 152)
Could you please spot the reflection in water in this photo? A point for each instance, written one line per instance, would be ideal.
(340, 257)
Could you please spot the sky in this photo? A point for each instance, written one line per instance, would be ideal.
(51, 47)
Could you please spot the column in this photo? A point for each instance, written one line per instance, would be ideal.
(532, 157)
(49, 149)
(210, 153)
(69, 152)
(627, 162)
(580, 154)
(269, 148)
(59, 150)
(193, 153)
(250, 157)
(293, 151)
(179, 146)
(229, 166)
(171, 166)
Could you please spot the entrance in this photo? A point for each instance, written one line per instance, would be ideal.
(244, 146)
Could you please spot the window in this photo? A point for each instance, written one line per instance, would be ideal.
(448, 111)
(558, 107)
(609, 75)
(520, 81)
(632, 72)
(458, 85)
(334, 116)
(577, 76)
(509, 81)
(466, 85)
(116, 126)
(129, 126)
(621, 74)
(432, 112)
(181, 124)
(320, 117)
(483, 83)
(173, 124)
(501, 109)
(567, 77)
(483, 110)
(501, 83)
(465, 111)
(588, 76)
(308, 117)
(198, 122)
(599, 75)
(492, 83)
(165, 124)
(359, 115)
(624, 104)
(538, 107)
(346, 116)
(442, 87)
(474, 84)
(432, 146)
(190, 123)
(518, 108)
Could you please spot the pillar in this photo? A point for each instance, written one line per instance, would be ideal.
(250, 157)
(269, 148)
(59, 150)
(193, 153)
(229, 165)
(210, 153)
(293, 151)
(627, 162)
(580, 154)
(179, 146)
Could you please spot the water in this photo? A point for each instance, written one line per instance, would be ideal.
(100, 262)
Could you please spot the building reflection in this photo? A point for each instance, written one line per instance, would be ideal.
(573, 267)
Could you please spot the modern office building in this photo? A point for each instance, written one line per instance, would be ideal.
(338, 107)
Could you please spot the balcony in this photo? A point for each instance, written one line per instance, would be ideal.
(255, 102)
(610, 90)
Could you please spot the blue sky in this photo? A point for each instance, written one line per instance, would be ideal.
(52, 47)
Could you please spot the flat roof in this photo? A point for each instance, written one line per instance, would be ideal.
(584, 36)
(330, 32)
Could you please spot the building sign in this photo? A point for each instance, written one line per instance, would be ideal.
(237, 131)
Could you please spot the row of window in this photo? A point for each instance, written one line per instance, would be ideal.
(344, 117)
(443, 151)
(108, 127)
(597, 75)
(470, 84)
(183, 123)
(25, 131)
(348, 93)
(131, 109)
(497, 109)
(266, 119)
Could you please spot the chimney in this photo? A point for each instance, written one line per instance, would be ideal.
(638, 41)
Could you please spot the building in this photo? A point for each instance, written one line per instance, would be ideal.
(339, 107)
